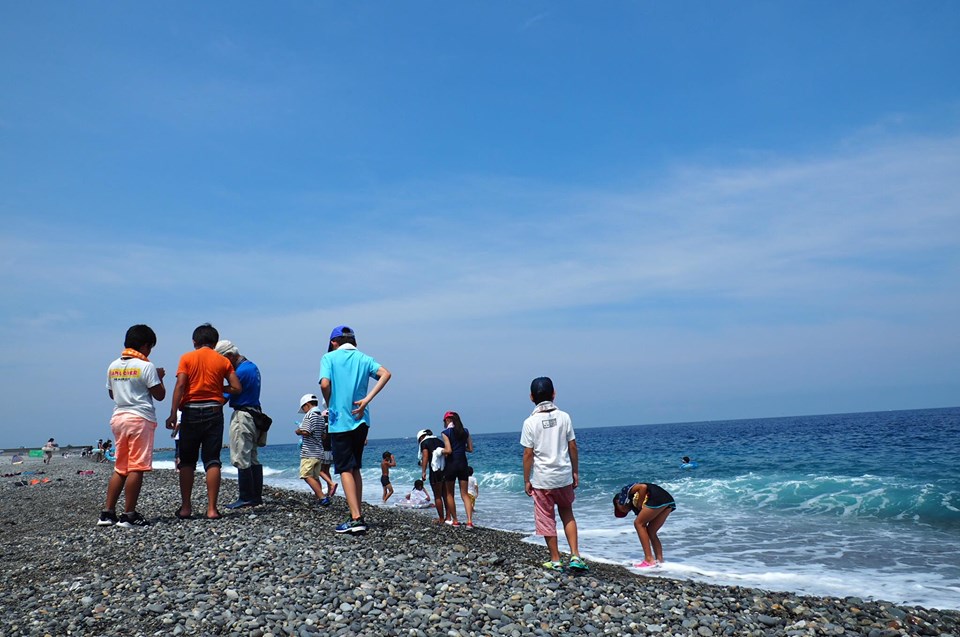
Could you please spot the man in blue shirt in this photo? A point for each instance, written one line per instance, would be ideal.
(345, 374)
(244, 435)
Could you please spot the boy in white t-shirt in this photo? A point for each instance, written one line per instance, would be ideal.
(551, 471)
(133, 383)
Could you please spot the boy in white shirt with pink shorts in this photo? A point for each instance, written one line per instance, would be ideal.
(133, 383)
(550, 472)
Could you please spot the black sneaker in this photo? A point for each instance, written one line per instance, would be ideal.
(107, 518)
(132, 521)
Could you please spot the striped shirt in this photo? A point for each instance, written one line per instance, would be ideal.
(315, 423)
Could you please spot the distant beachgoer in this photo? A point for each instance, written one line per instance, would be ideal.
(428, 445)
(199, 394)
(652, 504)
(687, 463)
(245, 437)
(48, 448)
(457, 443)
(133, 383)
(345, 374)
(418, 498)
(473, 487)
(385, 464)
(311, 429)
(551, 472)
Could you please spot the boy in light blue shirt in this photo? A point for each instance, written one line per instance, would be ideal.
(345, 374)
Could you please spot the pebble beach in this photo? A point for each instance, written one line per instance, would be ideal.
(279, 569)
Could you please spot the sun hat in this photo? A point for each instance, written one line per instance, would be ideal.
(308, 398)
(422, 433)
(226, 348)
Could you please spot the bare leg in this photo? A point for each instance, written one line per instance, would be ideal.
(554, 547)
(640, 524)
(114, 487)
(131, 492)
(438, 500)
(570, 529)
(451, 503)
(351, 491)
(467, 501)
(314, 484)
(325, 475)
(652, 529)
(186, 490)
(213, 491)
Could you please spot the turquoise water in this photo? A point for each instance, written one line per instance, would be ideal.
(854, 504)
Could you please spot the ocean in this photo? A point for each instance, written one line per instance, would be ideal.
(864, 505)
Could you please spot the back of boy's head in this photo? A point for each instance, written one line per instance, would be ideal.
(206, 335)
(386, 455)
(138, 336)
(418, 484)
(341, 335)
(469, 471)
(541, 389)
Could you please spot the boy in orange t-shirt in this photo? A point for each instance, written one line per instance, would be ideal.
(199, 395)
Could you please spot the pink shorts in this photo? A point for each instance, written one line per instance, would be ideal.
(544, 501)
(134, 442)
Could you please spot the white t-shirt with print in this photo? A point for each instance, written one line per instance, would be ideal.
(130, 380)
(548, 431)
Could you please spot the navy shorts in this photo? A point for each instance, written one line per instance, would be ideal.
(201, 436)
(348, 448)
(456, 471)
(384, 481)
(436, 477)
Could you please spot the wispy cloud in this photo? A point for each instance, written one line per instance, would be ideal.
(812, 273)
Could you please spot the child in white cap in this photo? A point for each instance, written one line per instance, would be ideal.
(314, 457)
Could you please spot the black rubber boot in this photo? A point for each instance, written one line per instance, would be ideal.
(256, 489)
(245, 487)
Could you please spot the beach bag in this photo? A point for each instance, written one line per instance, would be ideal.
(438, 461)
(260, 420)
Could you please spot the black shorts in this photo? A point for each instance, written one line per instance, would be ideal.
(384, 481)
(456, 471)
(201, 436)
(435, 477)
(348, 448)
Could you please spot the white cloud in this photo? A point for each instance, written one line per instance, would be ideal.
(805, 277)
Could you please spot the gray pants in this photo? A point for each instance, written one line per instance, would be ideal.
(244, 440)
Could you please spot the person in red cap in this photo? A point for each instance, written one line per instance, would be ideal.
(457, 443)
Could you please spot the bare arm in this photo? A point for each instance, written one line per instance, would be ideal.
(383, 377)
(158, 391)
(469, 443)
(325, 389)
(233, 384)
(527, 468)
(447, 446)
(178, 391)
(575, 462)
(424, 463)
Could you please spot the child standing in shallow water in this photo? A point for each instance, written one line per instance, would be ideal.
(385, 464)
(652, 504)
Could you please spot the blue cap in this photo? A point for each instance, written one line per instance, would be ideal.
(338, 331)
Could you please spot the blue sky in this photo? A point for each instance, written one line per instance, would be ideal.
(680, 212)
